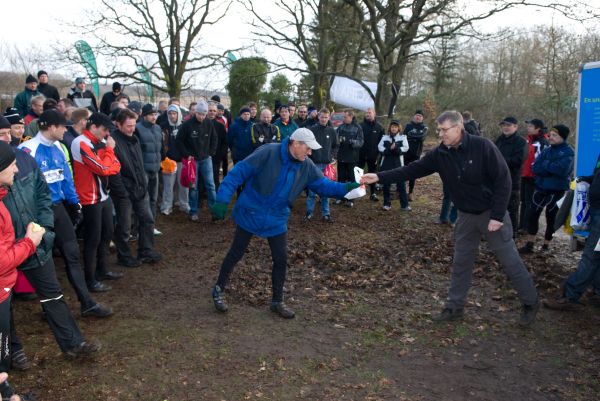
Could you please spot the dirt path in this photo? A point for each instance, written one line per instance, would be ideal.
(363, 289)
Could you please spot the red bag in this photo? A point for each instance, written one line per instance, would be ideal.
(188, 173)
(330, 172)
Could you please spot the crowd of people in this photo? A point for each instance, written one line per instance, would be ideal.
(70, 169)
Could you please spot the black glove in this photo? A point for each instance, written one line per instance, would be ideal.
(75, 214)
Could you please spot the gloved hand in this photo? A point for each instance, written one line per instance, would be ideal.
(75, 214)
(218, 210)
(351, 185)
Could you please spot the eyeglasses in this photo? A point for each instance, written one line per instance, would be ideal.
(444, 130)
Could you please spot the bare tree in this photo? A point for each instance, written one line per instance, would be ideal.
(161, 36)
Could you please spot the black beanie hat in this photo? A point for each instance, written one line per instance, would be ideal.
(245, 109)
(51, 117)
(7, 154)
(4, 123)
(216, 98)
(30, 78)
(561, 130)
(41, 72)
(420, 112)
(116, 86)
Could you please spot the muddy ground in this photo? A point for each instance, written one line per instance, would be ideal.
(364, 290)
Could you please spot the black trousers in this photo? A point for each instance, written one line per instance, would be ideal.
(372, 167)
(145, 221)
(409, 158)
(513, 210)
(59, 317)
(5, 334)
(66, 242)
(97, 233)
(219, 162)
(345, 171)
(539, 201)
(527, 190)
(278, 245)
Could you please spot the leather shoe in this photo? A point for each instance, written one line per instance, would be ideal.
(97, 310)
(110, 276)
(282, 310)
(99, 287)
(151, 257)
(129, 261)
(84, 348)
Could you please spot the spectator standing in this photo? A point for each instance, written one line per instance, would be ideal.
(372, 133)
(221, 152)
(286, 125)
(471, 126)
(109, 97)
(22, 101)
(302, 118)
(392, 146)
(239, 136)
(171, 182)
(536, 143)
(350, 137)
(416, 132)
(264, 132)
(81, 96)
(49, 91)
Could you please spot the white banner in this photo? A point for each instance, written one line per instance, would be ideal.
(350, 93)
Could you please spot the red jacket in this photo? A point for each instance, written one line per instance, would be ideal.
(535, 145)
(13, 252)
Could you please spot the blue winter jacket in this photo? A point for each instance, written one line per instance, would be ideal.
(553, 168)
(239, 139)
(272, 181)
(50, 157)
(151, 140)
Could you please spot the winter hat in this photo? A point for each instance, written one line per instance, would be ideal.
(41, 72)
(135, 106)
(176, 109)
(4, 123)
(30, 78)
(79, 80)
(202, 106)
(116, 86)
(396, 122)
(244, 109)
(12, 115)
(536, 122)
(419, 112)
(220, 107)
(509, 120)
(216, 98)
(561, 130)
(51, 117)
(7, 154)
(148, 109)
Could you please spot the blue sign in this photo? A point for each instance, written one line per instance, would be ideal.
(588, 120)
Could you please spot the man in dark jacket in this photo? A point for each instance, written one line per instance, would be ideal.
(471, 126)
(197, 138)
(372, 133)
(514, 150)
(129, 191)
(350, 138)
(326, 136)
(264, 131)
(588, 270)
(221, 152)
(302, 118)
(81, 96)
(478, 180)
(239, 136)
(45, 88)
(109, 97)
(22, 101)
(150, 136)
(415, 131)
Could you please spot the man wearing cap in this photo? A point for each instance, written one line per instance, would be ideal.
(239, 136)
(552, 169)
(22, 101)
(94, 161)
(81, 96)
(514, 150)
(29, 199)
(415, 131)
(478, 181)
(17, 126)
(273, 177)
(47, 90)
(110, 97)
(197, 138)
(536, 143)
(150, 136)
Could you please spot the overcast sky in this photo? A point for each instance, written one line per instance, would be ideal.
(33, 21)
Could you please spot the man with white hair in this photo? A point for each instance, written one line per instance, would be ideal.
(273, 176)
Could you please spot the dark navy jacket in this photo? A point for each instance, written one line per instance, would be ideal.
(272, 180)
(239, 139)
(553, 168)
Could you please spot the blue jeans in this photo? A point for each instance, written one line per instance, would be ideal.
(204, 169)
(311, 198)
(448, 214)
(588, 270)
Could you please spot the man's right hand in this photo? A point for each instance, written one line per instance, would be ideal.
(35, 233)
(110, 142)
(369, 178)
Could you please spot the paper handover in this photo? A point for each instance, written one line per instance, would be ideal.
(360, 191)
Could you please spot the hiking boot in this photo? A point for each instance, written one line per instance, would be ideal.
(83, 349)
(327, 219)
(151, 257)
(449, 314)
(526, 249)
(218, 300)
(97, 310)
(282, 310)
(563, 304)
(20, 361)
(307, 218)
(374, 198)
(529, 313)
(128, 261)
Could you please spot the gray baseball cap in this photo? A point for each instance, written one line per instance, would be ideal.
(305, 135)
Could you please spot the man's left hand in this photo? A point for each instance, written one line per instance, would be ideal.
(494, 225)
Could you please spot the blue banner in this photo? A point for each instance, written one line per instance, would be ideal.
(588, 120)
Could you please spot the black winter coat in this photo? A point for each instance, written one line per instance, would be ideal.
(49, 91)
(327, 138)
(198, 139)
(131, 181)
(262, 133)
(416, 133)
(372, 133)
(514, 151)
(350, 137)
(222, 147)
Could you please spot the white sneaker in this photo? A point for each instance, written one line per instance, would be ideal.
(387, 208)
(194, 217)
(156, 232)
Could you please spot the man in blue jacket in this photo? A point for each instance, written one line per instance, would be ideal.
(273, 177)
(239, 136)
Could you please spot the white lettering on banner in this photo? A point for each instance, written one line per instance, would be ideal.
(54, 175)
(351, 94)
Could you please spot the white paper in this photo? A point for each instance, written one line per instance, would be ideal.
(597, 248)
(360, 191)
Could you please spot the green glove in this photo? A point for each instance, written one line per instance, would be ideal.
(218, 210)
(351, 185)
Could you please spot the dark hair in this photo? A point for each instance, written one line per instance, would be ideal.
(122, 96)
(466, 115)
(324, 110)
(252, 104)
(79, 114)
(291, 104)
(49, 104)
(283, 106)
(124, 115)
(350, 112)
(172, 100)
(68, 102)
